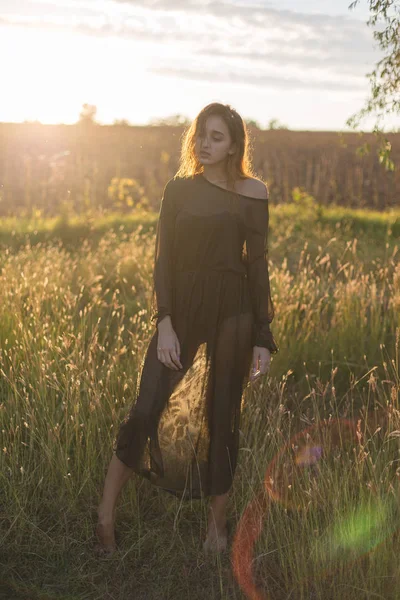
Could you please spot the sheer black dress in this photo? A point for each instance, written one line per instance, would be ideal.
(211, 275)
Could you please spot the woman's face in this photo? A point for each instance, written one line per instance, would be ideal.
(215, 141)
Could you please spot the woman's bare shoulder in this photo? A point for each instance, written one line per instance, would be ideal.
(251, 186)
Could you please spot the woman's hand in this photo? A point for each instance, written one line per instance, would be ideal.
(168, 347)
(261, 362)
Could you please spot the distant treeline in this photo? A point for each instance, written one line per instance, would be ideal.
(54, 169)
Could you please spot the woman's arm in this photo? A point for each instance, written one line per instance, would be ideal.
(257, 221)
(168, 347)
(161, 297)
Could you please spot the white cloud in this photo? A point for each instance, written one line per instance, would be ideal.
(222, 41)
(257, 79)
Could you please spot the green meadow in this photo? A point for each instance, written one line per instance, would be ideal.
(74, 324)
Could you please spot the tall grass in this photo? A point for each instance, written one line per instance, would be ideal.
(73, 330)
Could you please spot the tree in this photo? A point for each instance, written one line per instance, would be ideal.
(122, 122)
(385, 78)
(274, 124)
(172, 121)
(88, 114)
(253, 123)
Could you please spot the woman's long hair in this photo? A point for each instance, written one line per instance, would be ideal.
(238, 164)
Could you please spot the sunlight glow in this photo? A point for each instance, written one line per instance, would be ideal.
(54, 73)
(139, 64)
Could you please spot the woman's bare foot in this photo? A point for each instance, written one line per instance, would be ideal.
(106, 539)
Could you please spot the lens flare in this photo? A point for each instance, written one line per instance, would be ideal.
(358, 531)
(303, 458)
(318, 475)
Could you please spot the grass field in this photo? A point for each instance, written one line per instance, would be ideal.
(74, 324)
(51, 168)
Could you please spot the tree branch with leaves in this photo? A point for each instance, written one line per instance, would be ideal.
(385, 78)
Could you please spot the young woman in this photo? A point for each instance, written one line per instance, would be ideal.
(212, 305)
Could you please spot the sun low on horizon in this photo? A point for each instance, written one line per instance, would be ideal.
(58, 75)
(149, 59)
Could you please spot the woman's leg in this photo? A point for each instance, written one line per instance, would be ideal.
(231, 366)
(117, 475)
(216, 530)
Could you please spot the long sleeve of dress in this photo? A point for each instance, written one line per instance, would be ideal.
(257, 222)
(161, 297)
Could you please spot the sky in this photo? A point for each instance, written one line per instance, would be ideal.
(301, 63)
